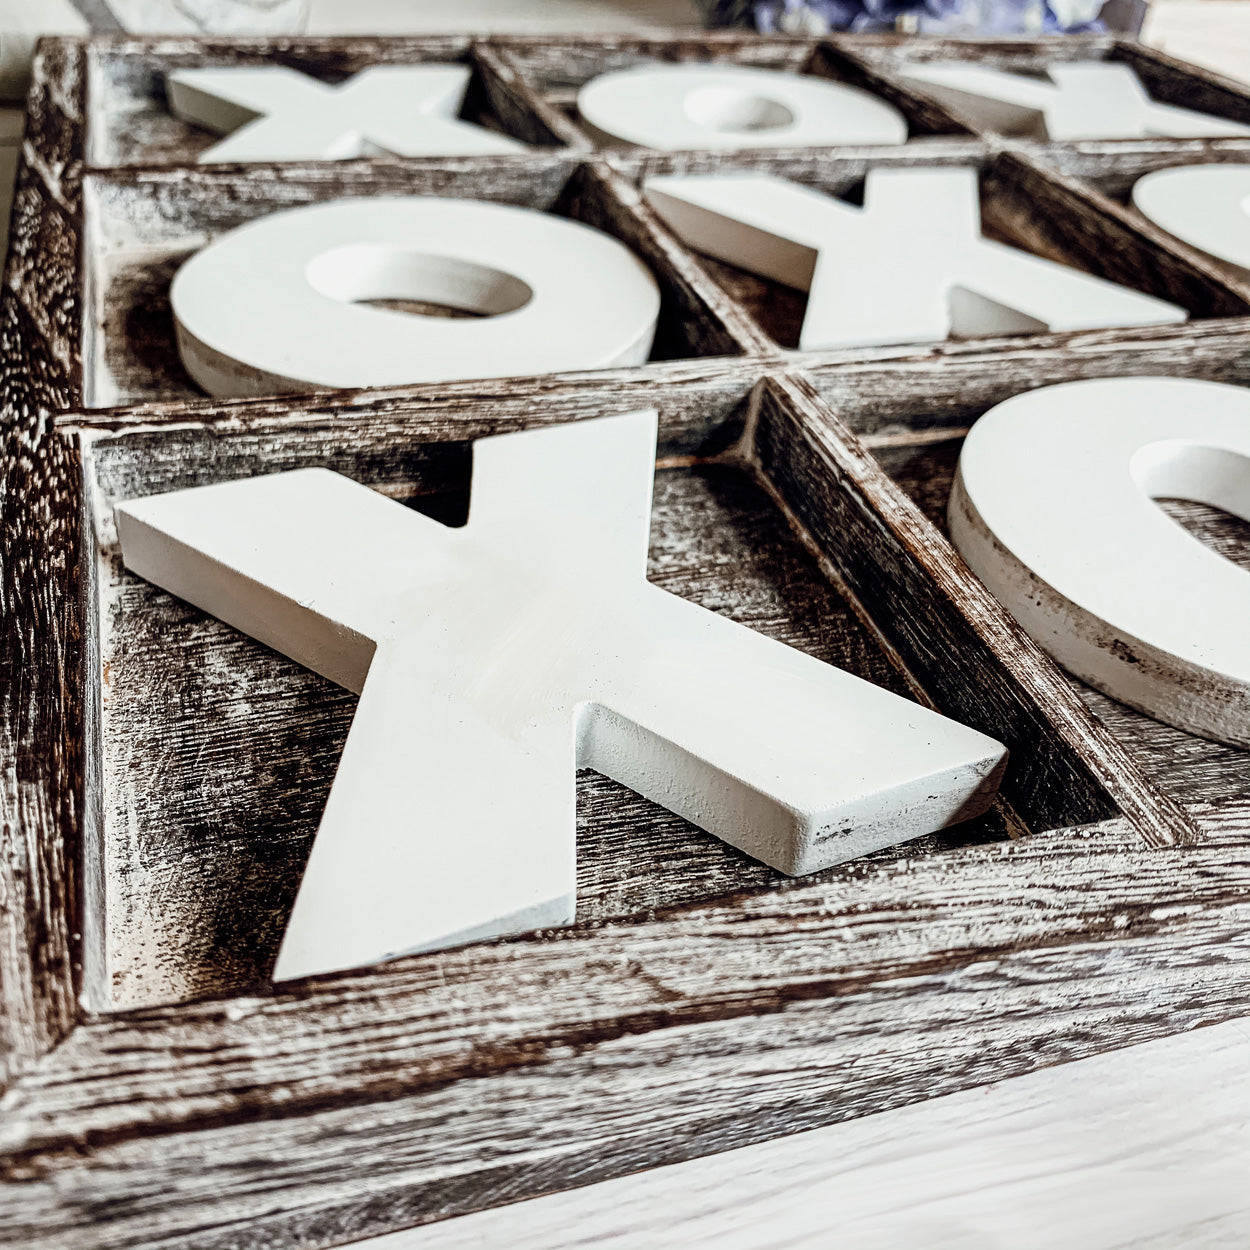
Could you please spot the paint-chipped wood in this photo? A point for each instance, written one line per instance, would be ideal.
(41, 625)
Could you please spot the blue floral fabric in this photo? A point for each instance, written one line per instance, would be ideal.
(990, 17)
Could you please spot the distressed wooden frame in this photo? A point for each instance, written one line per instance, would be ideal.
(743, 1008)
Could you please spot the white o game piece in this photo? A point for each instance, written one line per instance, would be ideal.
(279, 304)
(910, 266)
(1082, 100)
(676, 107)
(272, 113)
(1053, 509)
(495, 659)
(1206, 206)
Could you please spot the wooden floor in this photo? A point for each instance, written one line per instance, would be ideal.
(1147, 1147)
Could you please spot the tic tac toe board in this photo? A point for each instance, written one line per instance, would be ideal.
(163, 775)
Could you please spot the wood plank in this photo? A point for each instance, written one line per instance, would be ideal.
(1191, 86)
(950, 385)
(1112, 166)
(217, 755)
(467, 1078)
(40, 626)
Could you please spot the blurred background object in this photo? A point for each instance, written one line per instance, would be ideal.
(929, 17)
(216, 17)
(21, 23)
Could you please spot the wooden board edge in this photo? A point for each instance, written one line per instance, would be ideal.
(996, 960)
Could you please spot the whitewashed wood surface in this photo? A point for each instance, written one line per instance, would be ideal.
(1147, 1147)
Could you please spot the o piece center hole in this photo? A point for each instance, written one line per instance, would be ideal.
(1215, 478)
(732, 111)
(416, 283)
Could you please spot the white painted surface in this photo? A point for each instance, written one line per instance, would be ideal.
(502, 655)
(218, 17)
(1082, 100)
(909, 267)
(1053, 509)
(1207, 206)
(674, 107)
(273, 113)
(1146, 1148)
(280, 304)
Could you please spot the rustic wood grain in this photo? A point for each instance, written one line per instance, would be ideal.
(1073, 1155)
(1109, 175)
(1184, 766)
(40, 624)
(557, 69)
(1190, 86)
(917, 439)
(948, 386)
(925, 115)
(557, 66)
(1112, 166)
(526, 113)
(1012, 53)
(778, 310)
(697, 319)
(466, 1078)
(1056, 217)
(218, 754)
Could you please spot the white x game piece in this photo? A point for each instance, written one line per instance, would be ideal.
(495, 659)
(272, 113)
(911, 266)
